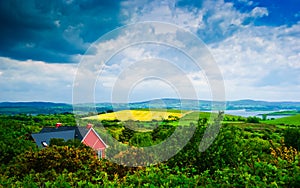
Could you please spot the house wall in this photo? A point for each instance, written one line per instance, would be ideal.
(93, 141)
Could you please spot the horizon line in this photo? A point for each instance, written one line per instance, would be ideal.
(148, 100)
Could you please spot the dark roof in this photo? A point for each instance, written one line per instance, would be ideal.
(64, 132)
(47, 136)
(80, 132)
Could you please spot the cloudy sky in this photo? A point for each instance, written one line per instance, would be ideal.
(255, 44)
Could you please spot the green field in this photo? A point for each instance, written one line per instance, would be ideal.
(291, 120)
(285, 112)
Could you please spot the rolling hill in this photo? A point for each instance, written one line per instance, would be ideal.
(291, 120)
(185, 104)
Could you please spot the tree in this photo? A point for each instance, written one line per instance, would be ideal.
(126, 135)
(141, 139)
(14, 138)
(57, 158)
(253, 119)
(202, 121)
(292, 137)
(264, 117)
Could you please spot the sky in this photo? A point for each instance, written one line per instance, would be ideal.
(254, 43)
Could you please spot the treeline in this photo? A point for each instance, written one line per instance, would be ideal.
(15, 132)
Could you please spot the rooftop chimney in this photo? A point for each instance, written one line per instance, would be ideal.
(57, 125)
(88, 126)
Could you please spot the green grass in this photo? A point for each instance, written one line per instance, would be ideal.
(291, 120)
(286, 112)
(254, 126)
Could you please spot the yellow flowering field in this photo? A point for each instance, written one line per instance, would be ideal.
(137, 115)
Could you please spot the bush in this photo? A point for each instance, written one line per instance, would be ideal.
(248, 129)
(253, 119)
(292, 137)
(58, 158)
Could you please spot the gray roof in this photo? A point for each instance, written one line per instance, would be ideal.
(64, 132)
(47, 136)
(80, 132)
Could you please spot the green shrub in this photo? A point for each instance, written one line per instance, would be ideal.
(253, 119)
(292, 137)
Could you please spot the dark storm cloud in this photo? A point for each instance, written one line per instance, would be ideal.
(53, 31)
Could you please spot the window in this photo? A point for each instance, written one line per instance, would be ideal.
(44, 144)
(99, 154)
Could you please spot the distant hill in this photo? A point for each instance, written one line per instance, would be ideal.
(185, 104)
(31, 104)
(34, 108)
(230, 105)
(262, 105)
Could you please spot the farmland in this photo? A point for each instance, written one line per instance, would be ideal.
(247, 152)
(291, 120)
(139, 115)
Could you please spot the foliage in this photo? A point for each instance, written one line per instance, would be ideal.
(141, 140)
(59, 158)
(253, 119)
(292, 137)
(242, 155)
(161, 132)
(284, 112)
(290, 120)
(126, 135)
(286, 153)
(15, 132)
(14, 138)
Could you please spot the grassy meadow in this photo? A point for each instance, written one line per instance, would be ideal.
(290, 120)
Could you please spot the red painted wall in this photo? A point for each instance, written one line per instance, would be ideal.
(94, 142)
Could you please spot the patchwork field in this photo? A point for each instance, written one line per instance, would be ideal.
(139, 115)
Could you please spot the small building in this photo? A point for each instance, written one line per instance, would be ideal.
(87, 135)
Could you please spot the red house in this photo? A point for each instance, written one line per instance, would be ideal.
(87, 135)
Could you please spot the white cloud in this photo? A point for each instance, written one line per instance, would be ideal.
(125, 55)
(164, 11)
(259, 12)
(214, 21)
(35, 81)
(258, 62)
(261, 62)
(247, 2)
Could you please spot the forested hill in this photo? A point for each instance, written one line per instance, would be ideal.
(34, 108)
(52, 108)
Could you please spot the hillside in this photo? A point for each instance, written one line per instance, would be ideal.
(291, 120)
(34, 108)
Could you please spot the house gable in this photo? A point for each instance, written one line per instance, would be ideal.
(87, 135)
(93, 140)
